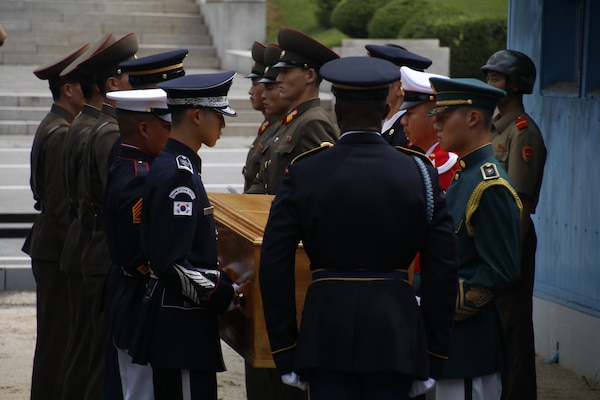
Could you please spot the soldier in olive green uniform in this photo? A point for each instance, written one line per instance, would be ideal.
(486, 211)
(306, 125)
(45, 240)
(275, 108)
(76, 359)
(95, 259)
(519, 146)
(254, 155)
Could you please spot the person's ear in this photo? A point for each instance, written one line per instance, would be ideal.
(311, 75)
(143, 129)
(473, 117)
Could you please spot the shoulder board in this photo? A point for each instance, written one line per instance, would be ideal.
(312, 152)
(489, 171)
(414, 153)
(141, 168)
(184, 163)
(521, 122)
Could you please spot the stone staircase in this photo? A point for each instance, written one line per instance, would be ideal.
(39, 30)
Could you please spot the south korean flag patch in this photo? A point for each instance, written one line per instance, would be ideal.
(182, 208)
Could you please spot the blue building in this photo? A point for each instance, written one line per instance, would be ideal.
(563, 39)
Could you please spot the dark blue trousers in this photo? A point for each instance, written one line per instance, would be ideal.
(327, 385)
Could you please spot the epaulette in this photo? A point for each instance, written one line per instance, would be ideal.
(521, 122)
(141, 168)
(489, 171)
(312, 152)
(415, 153)
(184, 163)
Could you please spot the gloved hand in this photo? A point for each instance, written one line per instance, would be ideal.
(421, 387)
(292, 379)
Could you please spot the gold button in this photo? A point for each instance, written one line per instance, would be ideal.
(462, 163)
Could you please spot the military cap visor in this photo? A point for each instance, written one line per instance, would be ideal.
(200, 91)
(270, 73)
(152, 101)
(258, 56)
(299, 50)
(360, 78)
(155, 68)
(51, 72)
(416, 86)
(399, 56)
(73, 72)
(106, 62)
(453, 93)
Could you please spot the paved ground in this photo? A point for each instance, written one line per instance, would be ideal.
(17, 341)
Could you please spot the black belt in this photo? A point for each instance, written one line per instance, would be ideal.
(359, 274)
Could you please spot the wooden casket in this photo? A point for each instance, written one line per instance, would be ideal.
(241, 219)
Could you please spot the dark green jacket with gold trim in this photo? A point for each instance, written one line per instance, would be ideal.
(486, 211)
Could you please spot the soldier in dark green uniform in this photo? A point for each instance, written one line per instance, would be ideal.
(306, 124)
(275, 108)
(519, 146)
(45, 240)
(95, 259)
(256, 90)
(76, 359)
(486, 211)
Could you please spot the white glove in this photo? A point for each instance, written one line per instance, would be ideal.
(292, 379)
(421, 387)
(233, 304)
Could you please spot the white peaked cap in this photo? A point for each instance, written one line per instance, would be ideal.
(142, 100)
(416, 86)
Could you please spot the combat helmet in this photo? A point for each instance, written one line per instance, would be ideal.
(518, 68)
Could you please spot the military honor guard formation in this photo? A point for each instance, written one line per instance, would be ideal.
(411, 203)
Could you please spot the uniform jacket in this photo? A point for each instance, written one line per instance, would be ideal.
(395, 134)
(486, 212)
(122, 205)
(519, 146)
(342, 204)
(95, 259)
(73, 161)
(302, 129)
(47, 236)
(255, 155)
(179, 326)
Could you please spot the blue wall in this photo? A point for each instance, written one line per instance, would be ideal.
(568, 215)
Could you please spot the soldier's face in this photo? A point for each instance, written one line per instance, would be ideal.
(255, 92)
(210, 125)
(452, 131)
(496, 80)
(418, 127)
(292, 82)
(274, 104)
(158, 131)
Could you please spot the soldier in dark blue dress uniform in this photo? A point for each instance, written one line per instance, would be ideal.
(179, 333)
(392, 130)
(362, 334)
(144, 124)
(486, 211)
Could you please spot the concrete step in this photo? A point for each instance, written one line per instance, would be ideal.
(40, 30)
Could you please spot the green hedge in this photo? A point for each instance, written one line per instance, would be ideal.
(471, 40)
(352, 17)
(324, 10)
(388, 20)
